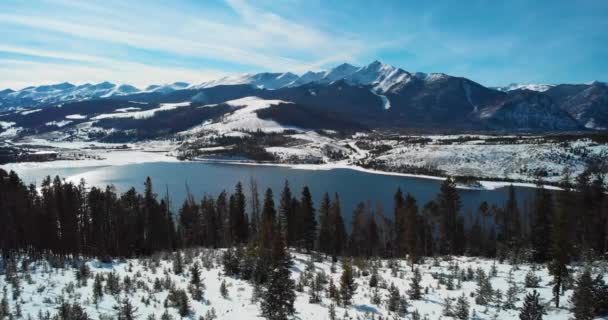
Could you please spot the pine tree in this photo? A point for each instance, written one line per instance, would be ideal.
(332, 312)
(415, 291)
(195, 283)
(411, 229)
(224, 290)
(339, 231)
(347, 283)
(307, 220)
(373, 279)
(278, 299)
(508, 221)
(393, 298)
(184, 308)
(399, 223)
(126, 310)
(541, 224)
(325, 238)
(532, 309)
(267, 225)
(560, 241)
(238, 217)
(448, 307)
(5, 310)
(178, 263)
(449, 204)
(316, 287)
(66, 311)
(531, 280)
(461, 310)
(583, 298)
(97, 287)
(512, 291)
(287, 215)
(484, 291)
(254, 203)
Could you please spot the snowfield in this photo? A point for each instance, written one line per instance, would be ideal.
(126, 113)
(144, 282)
(246, 118)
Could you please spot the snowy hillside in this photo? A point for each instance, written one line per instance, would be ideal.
(529, 86)
(151, 286)
(243, 119)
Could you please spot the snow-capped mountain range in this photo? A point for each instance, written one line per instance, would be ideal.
(379, 75)
(376, 95)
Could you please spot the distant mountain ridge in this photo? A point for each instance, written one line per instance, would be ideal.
(376, 95)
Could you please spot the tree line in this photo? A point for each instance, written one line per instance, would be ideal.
(70, 219)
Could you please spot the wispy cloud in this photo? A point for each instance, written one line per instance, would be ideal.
(193, 39)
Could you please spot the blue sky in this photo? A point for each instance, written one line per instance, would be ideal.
(137, 42)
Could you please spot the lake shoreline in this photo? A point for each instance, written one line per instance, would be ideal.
(485, 184)
(127, 157)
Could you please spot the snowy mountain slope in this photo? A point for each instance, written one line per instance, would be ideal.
(539, 87)
(245, 118)
(259, 80)
(588, 104)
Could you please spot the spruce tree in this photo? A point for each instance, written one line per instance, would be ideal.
(347, 283)
(582, 298)
(254, 204)
(307, 220)
(415, 291)
(532, 309)
(560, 249)
(326, 235)
(238, 217)
(461, 309)
(126, 310)
(411, 229)
(399, 223)
(339, 231)
(541, 224)
(97, 287)
(449, 204)
(279, 296)
(393, 298)
(195, 282)
(512, 291)
(287, 215)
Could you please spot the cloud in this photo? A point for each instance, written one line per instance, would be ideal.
(26, 73)
(259, 39)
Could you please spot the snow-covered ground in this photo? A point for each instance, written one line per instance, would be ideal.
(243, 119)
(42, 287)
(128, 113)
(483, 159)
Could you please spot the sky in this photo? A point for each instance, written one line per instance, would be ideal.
(156, 42)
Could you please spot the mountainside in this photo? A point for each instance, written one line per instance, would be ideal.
(526, 110)
(374, 96)
(588, 104)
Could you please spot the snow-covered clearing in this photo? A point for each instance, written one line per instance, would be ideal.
(59, 124)
(75, 116)
(141, 114)
(42, 287)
